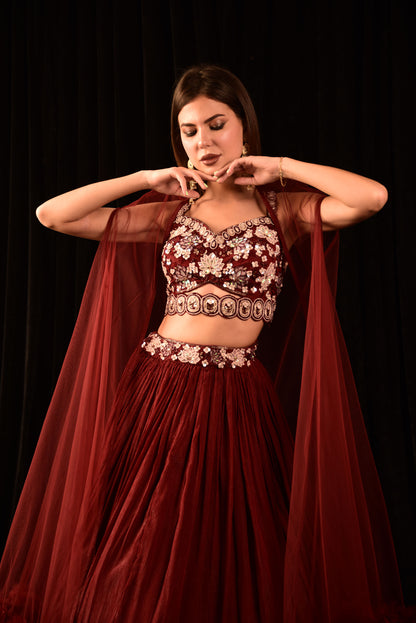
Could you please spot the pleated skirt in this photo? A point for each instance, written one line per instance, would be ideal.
(195, 488)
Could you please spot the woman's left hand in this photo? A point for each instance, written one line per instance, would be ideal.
(257, 170)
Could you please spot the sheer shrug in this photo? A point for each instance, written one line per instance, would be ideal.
(340, 564)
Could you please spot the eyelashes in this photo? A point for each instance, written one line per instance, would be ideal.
(218, 126)
(215, 127)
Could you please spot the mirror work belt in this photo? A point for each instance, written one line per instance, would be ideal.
(228, 306)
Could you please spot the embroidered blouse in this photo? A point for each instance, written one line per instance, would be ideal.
(245, 260)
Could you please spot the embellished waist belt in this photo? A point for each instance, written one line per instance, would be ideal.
(228, 306)
(199, 354)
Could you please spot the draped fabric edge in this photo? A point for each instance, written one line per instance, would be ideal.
(321, 577)
(340, 561)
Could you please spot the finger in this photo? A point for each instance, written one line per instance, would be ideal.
(196, 174)
(244, 181)
(225, 171)
(205, 176)
(190, 191)
(223, 174)
(230, 170)
(198, 179)
(183, 184)
(221, 171)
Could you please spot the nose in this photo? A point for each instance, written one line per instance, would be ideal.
(203, 138)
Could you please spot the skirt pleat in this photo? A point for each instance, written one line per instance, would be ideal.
(196, 473)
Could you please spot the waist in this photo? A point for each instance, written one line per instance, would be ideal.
(227, 306)
(199, 354)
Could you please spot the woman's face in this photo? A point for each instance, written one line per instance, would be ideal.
(211, 133)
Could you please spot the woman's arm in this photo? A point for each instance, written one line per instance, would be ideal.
(81, 212)
(351, 197)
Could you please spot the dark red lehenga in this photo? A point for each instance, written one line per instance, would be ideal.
(178, 497)
(197, 478)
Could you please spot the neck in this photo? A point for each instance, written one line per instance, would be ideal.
(226, 191)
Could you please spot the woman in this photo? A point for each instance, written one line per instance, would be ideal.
(164, 495)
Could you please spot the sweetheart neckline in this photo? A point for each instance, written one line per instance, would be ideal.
(221, 231)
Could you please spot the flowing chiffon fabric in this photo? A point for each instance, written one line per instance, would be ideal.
(167, 499)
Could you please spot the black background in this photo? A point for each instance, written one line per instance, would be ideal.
(86, 90)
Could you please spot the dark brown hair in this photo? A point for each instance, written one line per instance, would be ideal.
(217, 84)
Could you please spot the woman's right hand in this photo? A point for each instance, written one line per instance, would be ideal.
(174, 181)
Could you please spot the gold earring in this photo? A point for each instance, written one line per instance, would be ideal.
(192, 185)
(244, 154)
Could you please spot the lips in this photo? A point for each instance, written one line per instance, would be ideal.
(210, 159)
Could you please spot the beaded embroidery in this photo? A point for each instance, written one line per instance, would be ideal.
(245, 260)
(227, 306)
(199, 354)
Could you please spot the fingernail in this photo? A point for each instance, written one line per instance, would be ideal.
(186, 193)
(227, 171)
(206, 185)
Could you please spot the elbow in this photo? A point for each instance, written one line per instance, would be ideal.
(379, 198)
(43, 214)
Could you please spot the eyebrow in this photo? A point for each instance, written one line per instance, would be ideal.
(206, 121)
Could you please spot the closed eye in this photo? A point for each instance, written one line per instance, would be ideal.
(215, 126)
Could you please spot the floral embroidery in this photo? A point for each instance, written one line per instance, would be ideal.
(267, 275)
(259, 248)
(238, 278)
(196, 354)
(262, 231)
(241, 248)
(211, 264)
(189, 354)
(241, 276)
(245, 259)
(181, 273)
(179, 231)
(181, 251)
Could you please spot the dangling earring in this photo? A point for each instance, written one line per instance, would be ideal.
(192, 183)
(244, 154)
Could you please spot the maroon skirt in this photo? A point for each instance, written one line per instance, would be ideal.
(196, 481)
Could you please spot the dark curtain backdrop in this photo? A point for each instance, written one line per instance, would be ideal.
(86, 94)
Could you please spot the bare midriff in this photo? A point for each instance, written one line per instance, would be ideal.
(210, 330)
